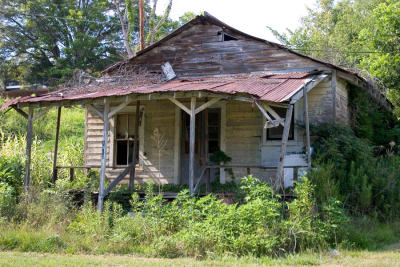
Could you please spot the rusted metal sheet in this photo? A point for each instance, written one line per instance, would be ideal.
(273, 88)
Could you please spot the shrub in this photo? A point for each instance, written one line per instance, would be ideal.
(7, 200)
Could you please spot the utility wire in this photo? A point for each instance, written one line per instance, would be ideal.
(291, 48)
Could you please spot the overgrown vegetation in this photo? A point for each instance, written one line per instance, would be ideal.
(188, 226)
(360, 167)
(349, 201)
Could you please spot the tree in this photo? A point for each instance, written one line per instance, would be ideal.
(156, 26)
(383, 36)
(53, 38)
(358, 34)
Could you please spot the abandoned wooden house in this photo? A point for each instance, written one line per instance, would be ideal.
(204, 88)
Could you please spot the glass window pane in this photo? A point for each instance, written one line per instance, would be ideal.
(122, 126)
(131, 126)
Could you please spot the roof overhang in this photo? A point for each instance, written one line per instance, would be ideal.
(276, 89)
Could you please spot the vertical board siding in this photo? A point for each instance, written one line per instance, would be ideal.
(158, 114)
(320, 103)
(243, 136)
(199, 51)
(342, 98)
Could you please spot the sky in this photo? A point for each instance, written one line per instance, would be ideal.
(250, 16)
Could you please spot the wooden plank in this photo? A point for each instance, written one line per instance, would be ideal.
(333, 86)
(103, 156)
(21, 112)
(54, 178)
(307, 124)
(120, 177)
(207, 104)
(285, 136)
(267, 117)
(309, 85)
(118, 109)
(222, 173)
(95, 110)
(274, 114)
(179, 104)
(29, 135)
(177, 145)
(192, 142)
(208, 181)
(135, 149)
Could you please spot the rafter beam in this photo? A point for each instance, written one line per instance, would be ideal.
(21, 112)
(310, 85)
(95, 110)
(207, 104)
(179, 104)
(274, 114)
(270, 123)
(118, 109)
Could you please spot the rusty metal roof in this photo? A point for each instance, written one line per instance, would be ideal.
(272, 88)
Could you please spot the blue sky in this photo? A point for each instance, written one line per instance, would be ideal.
(250, 16)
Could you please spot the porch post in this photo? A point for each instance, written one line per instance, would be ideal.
(208, 182)
(307, 124)
(103, 155)
(56, 146)
(285, 136)
(135, 149)
(192, 142)
(29, 133)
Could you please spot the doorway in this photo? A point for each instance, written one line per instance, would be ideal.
(200, 146)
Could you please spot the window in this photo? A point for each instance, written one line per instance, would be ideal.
(214, 128)
(125, 139)
(227, 37)
(276, 132)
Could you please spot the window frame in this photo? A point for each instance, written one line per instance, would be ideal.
(113, 131)
(291, 131)
(126, 139)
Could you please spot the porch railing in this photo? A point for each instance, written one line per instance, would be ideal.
(247, 167)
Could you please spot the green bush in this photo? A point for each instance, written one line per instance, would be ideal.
(7, 200)
(348, 169)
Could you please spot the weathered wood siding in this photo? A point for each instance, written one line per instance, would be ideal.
(161, 115)
(243, 135)
(320, 103)
(157, 114)
(199, 51)
(342, 108)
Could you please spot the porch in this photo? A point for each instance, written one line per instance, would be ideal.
(193, 124)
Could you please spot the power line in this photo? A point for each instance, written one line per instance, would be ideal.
(342, 51)
(291, 48)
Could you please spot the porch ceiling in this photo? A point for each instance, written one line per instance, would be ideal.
(275, 88)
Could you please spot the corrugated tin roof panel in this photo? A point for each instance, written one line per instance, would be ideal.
(273, 88)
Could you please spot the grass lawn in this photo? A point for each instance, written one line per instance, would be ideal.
(388, 257)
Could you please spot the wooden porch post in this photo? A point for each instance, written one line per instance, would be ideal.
(192, 142)
(307, 124)
(285, 136)
(103, 155)
(135, 149)
(208, 182)
(56, 146)
(29, 133)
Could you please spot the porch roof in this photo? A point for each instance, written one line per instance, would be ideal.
(276, 88)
